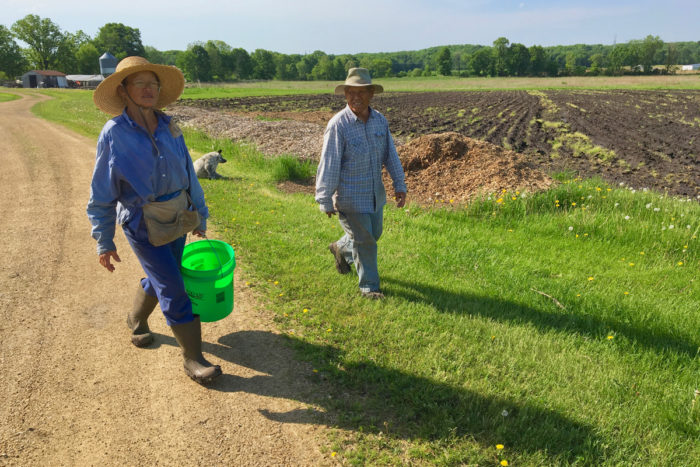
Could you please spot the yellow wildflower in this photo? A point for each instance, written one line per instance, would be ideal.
(499, 446)
(504, 463)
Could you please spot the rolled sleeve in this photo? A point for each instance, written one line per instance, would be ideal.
(393, 165)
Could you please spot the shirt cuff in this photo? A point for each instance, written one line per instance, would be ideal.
(105, 247)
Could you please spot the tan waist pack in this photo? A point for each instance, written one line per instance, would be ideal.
(169, 220)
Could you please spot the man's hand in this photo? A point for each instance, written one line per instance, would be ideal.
(330, 214)
(400, 199)
(105, 259)
(199, 233)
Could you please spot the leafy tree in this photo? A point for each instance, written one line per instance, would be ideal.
(381, 68)
(519, 59)
(119, 40)
(43, 37)
(596, 63)
(444, 62)
(87, 59)
(481, 62)
(12, 62)
(647, 50)
(538, 60)
(285, 67)
(242, 63)
(195, 64)
(263, 64)
(671, 59)
(616, 59)
(501, 59)
(323, 69)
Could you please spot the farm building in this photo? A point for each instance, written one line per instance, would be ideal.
(694, 66)
(44, 79)
(84, 81)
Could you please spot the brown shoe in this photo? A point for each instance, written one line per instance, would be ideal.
(341, 265)
(374, 295)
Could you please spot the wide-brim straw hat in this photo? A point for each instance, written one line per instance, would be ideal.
(358, 77)
(172, 83)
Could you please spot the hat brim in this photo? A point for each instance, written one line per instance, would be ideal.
(340, 89)
(172, 83)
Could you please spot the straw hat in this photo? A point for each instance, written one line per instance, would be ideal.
(358, 77)
(172, 82)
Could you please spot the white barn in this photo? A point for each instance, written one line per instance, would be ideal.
(694, 66)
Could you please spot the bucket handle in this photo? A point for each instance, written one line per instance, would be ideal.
(221, 266)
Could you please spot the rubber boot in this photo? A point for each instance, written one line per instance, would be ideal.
(189, 336)
(137, 319)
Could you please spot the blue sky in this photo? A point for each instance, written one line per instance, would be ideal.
(370, 26)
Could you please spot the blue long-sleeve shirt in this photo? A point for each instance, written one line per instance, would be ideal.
(350, 169)
(129, 173)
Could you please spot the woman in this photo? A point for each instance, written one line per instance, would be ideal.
(142, 170)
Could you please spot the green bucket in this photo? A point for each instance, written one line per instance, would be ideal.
(207, 269)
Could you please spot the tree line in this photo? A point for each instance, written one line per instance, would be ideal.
(48, 47)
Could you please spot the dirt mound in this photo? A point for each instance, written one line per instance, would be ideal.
(452, 168)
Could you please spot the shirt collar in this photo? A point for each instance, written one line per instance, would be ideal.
(161, 118)
(355, 117)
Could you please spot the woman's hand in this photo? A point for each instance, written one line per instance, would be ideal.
(200, 233)
(105, 260)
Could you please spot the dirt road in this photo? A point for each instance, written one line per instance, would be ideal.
(74, 390)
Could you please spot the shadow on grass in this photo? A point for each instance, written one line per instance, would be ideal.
(369, 398)
(501, 310)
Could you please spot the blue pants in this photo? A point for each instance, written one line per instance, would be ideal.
(359, 245)
(163, 279)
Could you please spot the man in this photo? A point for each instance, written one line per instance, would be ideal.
(356, 145)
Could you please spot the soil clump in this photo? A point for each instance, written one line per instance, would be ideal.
(452, 168)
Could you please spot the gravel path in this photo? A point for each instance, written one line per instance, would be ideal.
(74, 390)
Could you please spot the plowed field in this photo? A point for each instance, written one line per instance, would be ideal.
(642, 138)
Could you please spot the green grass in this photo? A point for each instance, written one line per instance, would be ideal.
(442, 83)
(562, 325)
(6, 96)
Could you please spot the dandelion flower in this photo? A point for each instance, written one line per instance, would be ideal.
(329, 330)
(611, 337)
(571, 227)
(276, 282)
(680, 263)
(504, 462)
(499, 446)
(305, 310)
(631, 264)
(281, 294)
(641, 253)
(574, 203)
(578, 294)
(627, 293)
(499, 200)
(590, 278)
(333, 454)
(315, 370)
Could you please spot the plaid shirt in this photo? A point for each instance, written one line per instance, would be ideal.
(350, 171)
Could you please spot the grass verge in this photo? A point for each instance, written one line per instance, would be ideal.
(7, 97)
(552, 329)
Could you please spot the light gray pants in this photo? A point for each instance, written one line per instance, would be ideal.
(359, 245)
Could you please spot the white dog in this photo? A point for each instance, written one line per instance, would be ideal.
(205, 166)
